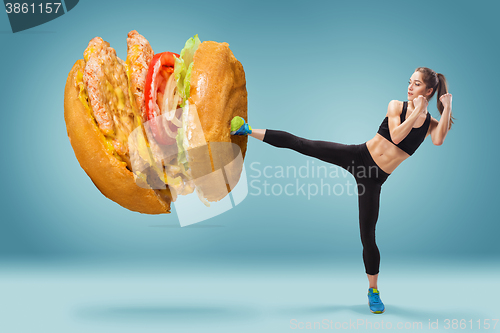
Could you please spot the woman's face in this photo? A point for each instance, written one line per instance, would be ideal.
(417, 87)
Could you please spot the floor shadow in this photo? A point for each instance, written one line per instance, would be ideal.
(188, 226)
(324, 310)
(390, 310)
(433, 314)
(148, 313)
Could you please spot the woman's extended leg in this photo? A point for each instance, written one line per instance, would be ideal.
(343, 155)
(258, 133)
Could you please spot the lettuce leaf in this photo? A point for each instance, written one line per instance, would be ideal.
(182, 73)
(183, 66)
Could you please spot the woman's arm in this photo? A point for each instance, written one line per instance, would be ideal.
(400, 131)
(440, 130)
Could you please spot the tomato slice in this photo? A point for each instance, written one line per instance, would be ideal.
(160, 69)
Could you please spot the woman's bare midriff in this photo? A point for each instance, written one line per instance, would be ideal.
(387, 155)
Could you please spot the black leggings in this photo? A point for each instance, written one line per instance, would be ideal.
(369, 178)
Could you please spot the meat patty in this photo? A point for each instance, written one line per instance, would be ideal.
(105, 78)
(139, 55)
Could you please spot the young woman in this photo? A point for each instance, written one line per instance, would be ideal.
(404, 128)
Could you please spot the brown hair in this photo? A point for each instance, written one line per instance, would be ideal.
(437, 81)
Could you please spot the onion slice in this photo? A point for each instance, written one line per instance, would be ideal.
(170, 101)
(166, 127)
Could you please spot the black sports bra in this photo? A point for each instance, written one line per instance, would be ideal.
(413, 140)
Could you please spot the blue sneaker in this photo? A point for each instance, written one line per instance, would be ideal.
(374, 301)
(239, 127)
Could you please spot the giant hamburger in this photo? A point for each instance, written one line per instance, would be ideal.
(157, 126)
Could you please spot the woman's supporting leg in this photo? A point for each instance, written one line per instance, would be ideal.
(372, 280)
(369, 201)
(345, 156)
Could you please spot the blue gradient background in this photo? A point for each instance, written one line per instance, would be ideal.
(320, 70)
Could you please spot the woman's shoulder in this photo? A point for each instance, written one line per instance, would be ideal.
(396, 103)
(395, 108)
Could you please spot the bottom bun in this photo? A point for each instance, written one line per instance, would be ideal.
(109, 174)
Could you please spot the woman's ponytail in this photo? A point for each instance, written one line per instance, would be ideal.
(438, 82)
(442, 88)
